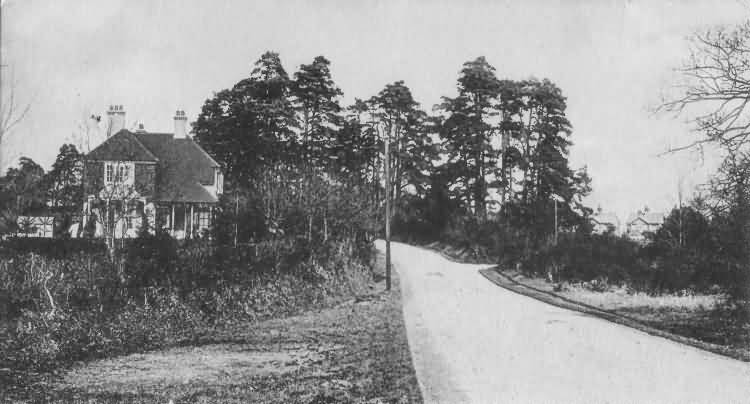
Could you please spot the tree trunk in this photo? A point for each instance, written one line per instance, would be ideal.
(479, 188)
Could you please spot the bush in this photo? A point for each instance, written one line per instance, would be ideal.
(41, 341)
(58, 310)
(51, 247)
(584, 258)
(150, 260)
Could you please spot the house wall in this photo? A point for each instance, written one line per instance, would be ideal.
(601, 228)
(94, 177)
(637, 230)
(216, 188)
(144, 180)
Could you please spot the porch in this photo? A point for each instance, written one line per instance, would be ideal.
(185, 220)
(124, 219)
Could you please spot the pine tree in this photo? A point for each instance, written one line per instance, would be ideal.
(467, 131)
(316, 101)
(252, 125)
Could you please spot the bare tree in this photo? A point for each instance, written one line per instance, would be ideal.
(88, 133)
(111, 209)
(11, 112)
(714, 88)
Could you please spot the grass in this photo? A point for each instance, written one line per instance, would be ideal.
(620, 298)
(706, 318)
(354, 352)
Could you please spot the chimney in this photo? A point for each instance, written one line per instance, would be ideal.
(116, 116)
(180, 125)
(140, 129)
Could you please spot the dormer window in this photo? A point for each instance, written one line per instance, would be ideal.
(118, 173)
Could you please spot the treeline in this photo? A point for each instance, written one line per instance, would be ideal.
(29, 189)
(498, 151)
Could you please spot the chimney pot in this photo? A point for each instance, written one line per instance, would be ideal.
(180, 124)
(116, 115)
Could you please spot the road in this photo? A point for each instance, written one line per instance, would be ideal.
(474, 342)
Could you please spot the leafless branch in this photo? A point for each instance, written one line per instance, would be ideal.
(715, 88)
(11, 114)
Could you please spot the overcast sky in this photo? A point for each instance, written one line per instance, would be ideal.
(612, 59)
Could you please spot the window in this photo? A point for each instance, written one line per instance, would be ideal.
(204, 219)
(123, 171)
(163, 217)
(118, 173)
(108, 170)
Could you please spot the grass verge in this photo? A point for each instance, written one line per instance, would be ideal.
(354, 352)
(699, 321)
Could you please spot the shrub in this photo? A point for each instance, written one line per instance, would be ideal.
(51, 247)
(58, 310)
(583, 258)
(150, 260)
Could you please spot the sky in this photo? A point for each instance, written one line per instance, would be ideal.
(613, 61)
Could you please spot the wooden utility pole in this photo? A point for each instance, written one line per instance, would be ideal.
(387, 212)
(555, 220)
(679, 197)
(236, 216)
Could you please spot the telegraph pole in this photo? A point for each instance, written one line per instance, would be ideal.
(555, 221)
(387, 212)
(236, 215)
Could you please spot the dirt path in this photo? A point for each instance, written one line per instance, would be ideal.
(474, 342)
(217, 365)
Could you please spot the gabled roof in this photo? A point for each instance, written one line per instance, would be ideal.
(183, 166)
(653, 218)
(606, 218)
(123, 145)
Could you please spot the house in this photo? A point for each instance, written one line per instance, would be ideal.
(643, 222)
(35, 226)
(159, 180)
(604, 222)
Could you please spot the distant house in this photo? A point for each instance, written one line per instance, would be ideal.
(605, 222)
(643, 222)
(160, 180)
(35, 226)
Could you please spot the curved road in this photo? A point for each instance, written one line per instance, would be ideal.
(474, 342)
